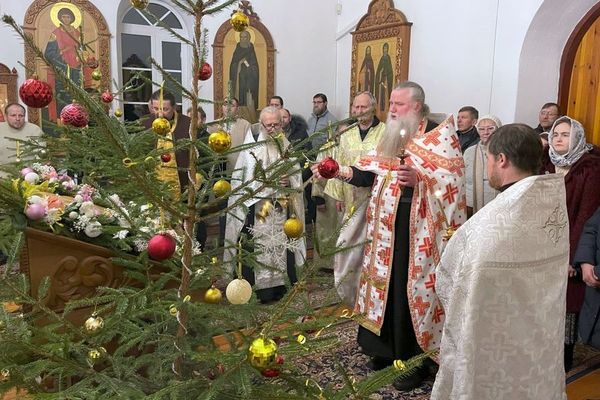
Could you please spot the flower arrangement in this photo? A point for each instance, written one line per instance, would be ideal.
(53, 200)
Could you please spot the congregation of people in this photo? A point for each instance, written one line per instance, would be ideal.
(470, 240)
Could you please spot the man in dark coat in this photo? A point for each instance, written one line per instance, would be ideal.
(587, 260)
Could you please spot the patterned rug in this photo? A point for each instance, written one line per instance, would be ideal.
(323, 367)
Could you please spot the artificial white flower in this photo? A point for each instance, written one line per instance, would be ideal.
(78, 198)
(87, 209)
(93, 229)
(35, 199)
(145, 207)
(122, 234)
(73, 215)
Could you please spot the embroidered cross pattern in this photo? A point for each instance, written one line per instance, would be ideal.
(432, 138)
(421, 306)
(427, 246)
(451, 192)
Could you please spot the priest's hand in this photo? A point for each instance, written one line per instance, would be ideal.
(590, 279)
(407, 175)
(315, 170)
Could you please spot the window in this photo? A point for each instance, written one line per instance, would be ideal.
(142, 38)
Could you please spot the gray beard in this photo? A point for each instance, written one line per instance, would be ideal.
(392, 142)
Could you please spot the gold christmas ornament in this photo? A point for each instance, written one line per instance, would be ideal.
(238, 291)
(219, 141)
(118, 113)
(139, 4)
(161, 126)
(239, 21)
(97, 354)
(293, 227)
(262, 353)
(93, 324)
(221, 188)
(96, 75)
(213, 295)
(399, 365)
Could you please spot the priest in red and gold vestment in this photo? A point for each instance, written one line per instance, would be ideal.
(417, 180)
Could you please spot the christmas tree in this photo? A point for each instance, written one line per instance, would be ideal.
(161, 328)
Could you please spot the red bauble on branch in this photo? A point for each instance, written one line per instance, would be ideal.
(161, 246)
(106, 97)
(35, 93)
(75, 115)
(205, 72)
(328, 168)
(166, 157)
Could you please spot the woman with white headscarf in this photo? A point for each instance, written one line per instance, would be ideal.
(579, 162)
(479, 192)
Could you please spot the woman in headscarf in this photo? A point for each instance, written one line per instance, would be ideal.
(479, 192)
(579, 162)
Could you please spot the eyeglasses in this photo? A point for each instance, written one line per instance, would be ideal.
(271, 126)
(547, 114)
(486, 128)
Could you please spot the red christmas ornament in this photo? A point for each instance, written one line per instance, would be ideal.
(328, 168)
(35, 93)
(161, 246)
(270, 373)
(106, 97)
(165, 157)
(75, 115)
(205, 72)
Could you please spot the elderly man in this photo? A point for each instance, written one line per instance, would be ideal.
(15, 127)
(352, 201)
(479, 192)
(259, 212)
(397, 307)
(465, 127)
(548, 114)
(502, 281)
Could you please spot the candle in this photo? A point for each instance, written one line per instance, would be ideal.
(447, 226)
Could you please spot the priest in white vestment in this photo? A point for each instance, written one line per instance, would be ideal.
(502, 281)
(258, 212)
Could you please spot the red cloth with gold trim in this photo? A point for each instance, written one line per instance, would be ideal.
(437, 158)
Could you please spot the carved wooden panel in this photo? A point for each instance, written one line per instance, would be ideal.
(383, 34)
(8, 88)
(227, 63)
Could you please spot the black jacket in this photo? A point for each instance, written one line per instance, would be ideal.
(588, 251)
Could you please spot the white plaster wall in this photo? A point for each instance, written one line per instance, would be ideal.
(305, 61)
(463, 52)
(541, 55)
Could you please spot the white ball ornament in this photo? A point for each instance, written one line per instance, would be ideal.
(32, 177)
(238, 291)
(93, 229)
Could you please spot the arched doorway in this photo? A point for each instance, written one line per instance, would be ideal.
(579, 90)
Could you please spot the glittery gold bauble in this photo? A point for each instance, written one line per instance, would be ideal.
(213, 295)
(238, 291)
(399, 365)
(219, 141)
(161, 126)
(262, 353)
(293, 228)
(96, 354)
(239, 21)
(221, 188)
(93, 324)
(118, 113)
(96, 75)
(139, 4)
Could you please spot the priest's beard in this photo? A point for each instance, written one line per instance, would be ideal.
(391, 142)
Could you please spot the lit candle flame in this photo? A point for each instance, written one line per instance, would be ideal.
(402, 132)
(438, 193)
